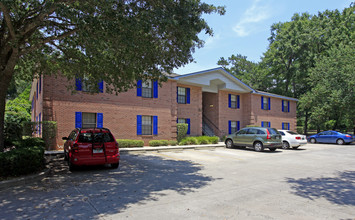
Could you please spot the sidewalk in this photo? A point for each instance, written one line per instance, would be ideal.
(162, 148)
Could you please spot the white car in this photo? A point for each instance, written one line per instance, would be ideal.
(292, 139)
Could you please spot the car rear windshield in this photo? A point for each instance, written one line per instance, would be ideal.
(273, 131)
(95, 137)
(292, 132)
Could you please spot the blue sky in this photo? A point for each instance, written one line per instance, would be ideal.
(245, 28)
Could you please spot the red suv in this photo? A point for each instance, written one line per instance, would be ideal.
(92, 146)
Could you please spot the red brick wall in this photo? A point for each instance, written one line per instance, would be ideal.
(274, 115)
(229, 114)
(119, 112)
(192, 110)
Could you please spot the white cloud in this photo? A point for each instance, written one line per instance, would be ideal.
(211, 40)
(251, 17)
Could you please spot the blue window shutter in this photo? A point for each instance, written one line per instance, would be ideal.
(101, 86)
(39, 124)
(262, 102)
(283, 126)
(269, 103)
(229, 101)
(229, 127)
(262, 124)
(188, 125)
(78, 120)
(177, 94)
(155, 125)
(100, 120)
(238, 102)
(269, 125)
(139, 125)
(288, 126)
(155, 89)
(37, 91)
(187, 95)
(40, 84)
(78, 84)
(238, 125)
(139, 88)
(283, 108)
(288, 106)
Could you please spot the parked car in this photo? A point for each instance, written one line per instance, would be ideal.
(292, 139)
(256, 137)
(331, 137)
(94, 146)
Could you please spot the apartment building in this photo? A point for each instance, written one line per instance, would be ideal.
(211, 102)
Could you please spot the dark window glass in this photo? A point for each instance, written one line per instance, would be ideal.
(252, 131)
(283, 134)
(273, 131)
(88, 120)
(243, 131)
(233, 101)
(261, 132)
(292, 132)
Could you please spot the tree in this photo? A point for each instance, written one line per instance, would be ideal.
(115, 41)
(248, 72)
(332, 97)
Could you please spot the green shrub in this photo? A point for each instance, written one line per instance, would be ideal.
(181, 131)
(213, 140)
(189, 141)
(155, 143)
(21, 161)
(300, 129)
(123, 143)
(172, 143)
(203, 140)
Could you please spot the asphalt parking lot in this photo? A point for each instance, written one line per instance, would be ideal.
(316, 181)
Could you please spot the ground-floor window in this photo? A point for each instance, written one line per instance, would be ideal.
(233, 126)
(265, 124)
(285, 126)
(186, 121)
(88, 120)
(147, 125)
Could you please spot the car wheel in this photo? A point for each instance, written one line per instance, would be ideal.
(115, 165)
(295, 148)
(229, 143)
(313, 140)
(65, 156)
(340, 141)
(71, 166)
(258, 146)
(272, 149)
(285, 145)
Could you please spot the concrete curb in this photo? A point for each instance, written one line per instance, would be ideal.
(145, 149)
(24, 180)
(169, 148)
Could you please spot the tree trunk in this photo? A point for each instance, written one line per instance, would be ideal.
(5, 80)
(7, 66)
(305, 131)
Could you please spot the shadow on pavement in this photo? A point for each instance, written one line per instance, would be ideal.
(338, 190)
(92, 192)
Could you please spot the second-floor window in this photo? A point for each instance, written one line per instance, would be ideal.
(285, 106)
(233, 101)
(265, 103)
(147, 89)
(183, 95)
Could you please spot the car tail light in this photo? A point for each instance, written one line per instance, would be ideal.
(348, 136)
(268, 134)
(75, 148)
(298, 138)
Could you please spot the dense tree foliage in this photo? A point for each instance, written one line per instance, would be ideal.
(114, 41)
(300, 62)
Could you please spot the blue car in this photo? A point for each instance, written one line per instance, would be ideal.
(331, 137)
